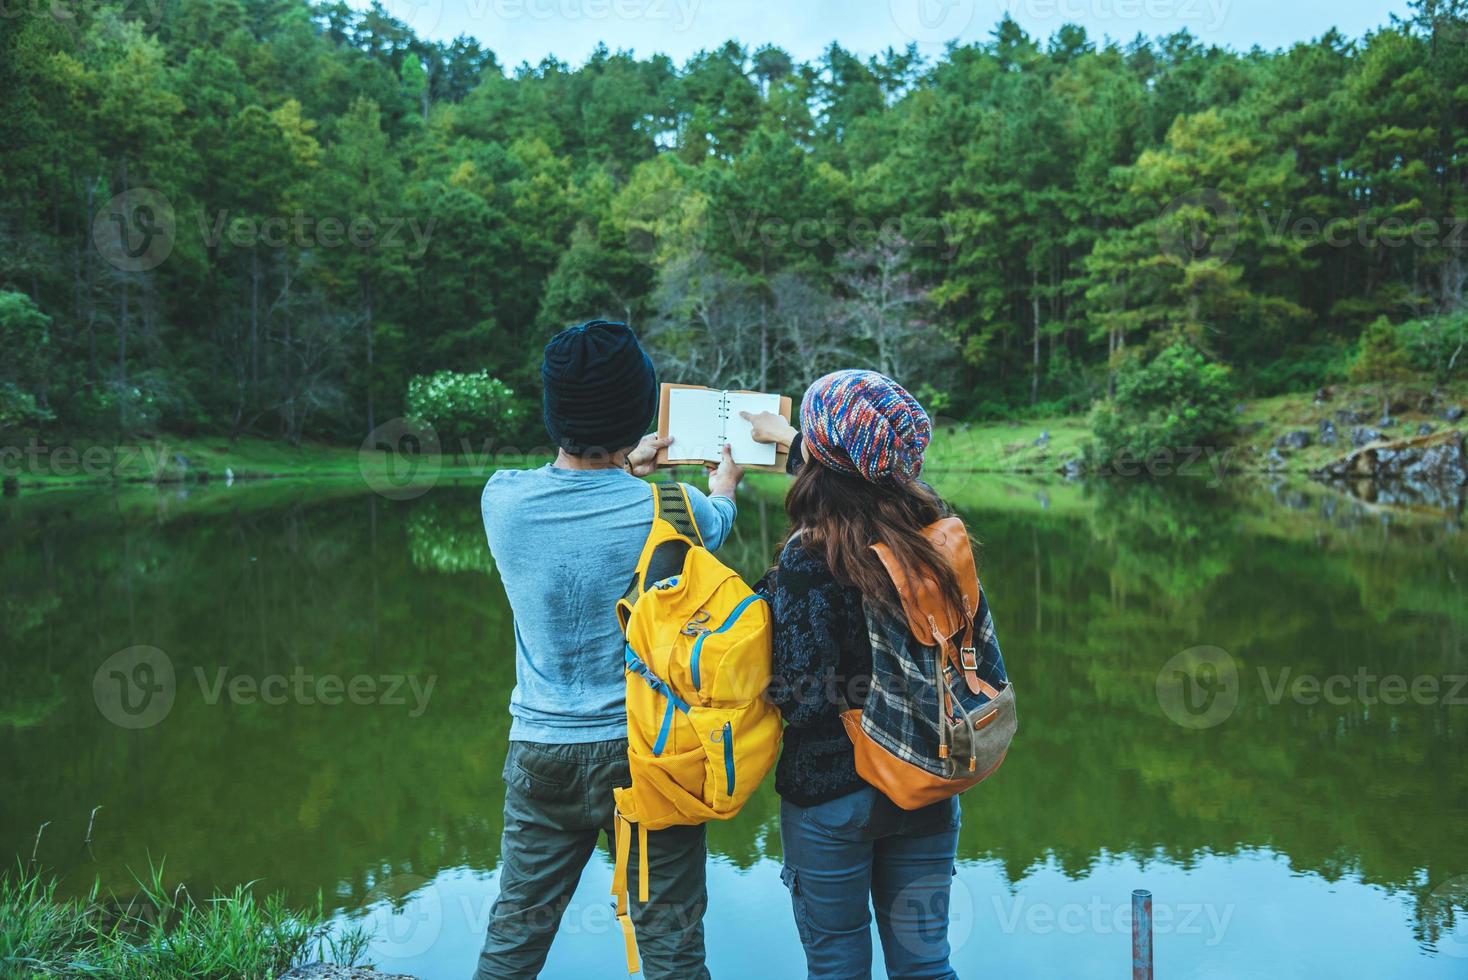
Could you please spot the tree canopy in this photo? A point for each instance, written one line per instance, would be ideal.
(268, 216)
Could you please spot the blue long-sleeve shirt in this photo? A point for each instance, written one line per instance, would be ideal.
(565, 543)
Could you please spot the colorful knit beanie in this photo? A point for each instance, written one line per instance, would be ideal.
(864, 423)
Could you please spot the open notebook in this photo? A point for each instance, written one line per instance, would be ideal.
(701, 420)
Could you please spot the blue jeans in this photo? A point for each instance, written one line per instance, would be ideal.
(860, 852)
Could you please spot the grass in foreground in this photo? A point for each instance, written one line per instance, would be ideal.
(159, 933)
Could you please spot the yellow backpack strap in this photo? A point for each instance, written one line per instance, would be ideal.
(670, 502)
(623, 831)
(634, 588)
(642, 875)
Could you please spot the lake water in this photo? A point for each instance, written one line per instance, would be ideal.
(1249, 703)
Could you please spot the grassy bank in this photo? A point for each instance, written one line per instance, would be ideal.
(1024, 446)
(170, 459)
(1043, 445)
(159, 933)
(1020, 446)
(1264, 421)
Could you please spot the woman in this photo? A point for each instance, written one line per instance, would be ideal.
(856, 462)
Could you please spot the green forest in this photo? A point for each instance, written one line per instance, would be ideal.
(283, 219)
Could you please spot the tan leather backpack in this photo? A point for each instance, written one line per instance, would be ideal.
(940, 714)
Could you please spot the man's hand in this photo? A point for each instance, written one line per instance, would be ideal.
(724, 478)
(643, 459)
(770, 427)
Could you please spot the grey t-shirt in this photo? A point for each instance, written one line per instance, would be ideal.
(565, 543)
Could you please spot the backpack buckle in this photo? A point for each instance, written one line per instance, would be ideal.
(969, 657)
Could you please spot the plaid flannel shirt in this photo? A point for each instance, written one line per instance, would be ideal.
(901, 710)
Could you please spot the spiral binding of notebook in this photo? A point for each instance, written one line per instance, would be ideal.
(703, 420)
(723, 416)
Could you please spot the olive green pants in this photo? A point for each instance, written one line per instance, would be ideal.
(558, 798)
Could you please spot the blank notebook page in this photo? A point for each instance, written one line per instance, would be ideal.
(701, 421)
(694, 422)
(739, 433)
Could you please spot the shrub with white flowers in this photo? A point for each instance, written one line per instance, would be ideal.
(468, 411)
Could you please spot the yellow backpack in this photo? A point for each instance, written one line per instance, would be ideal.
(700, 735)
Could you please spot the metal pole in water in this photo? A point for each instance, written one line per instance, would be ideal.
(1141, 934)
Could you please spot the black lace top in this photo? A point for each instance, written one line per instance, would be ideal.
(821, 656)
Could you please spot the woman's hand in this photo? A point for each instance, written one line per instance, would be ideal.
(643, 459)
(770, 427)
(724, 478)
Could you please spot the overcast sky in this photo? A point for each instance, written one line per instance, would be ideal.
(528, 30)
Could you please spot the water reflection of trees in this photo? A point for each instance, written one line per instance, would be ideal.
(445, 536)
(1089, 606)
(235, 792)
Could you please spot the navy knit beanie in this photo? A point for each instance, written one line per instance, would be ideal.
(600, 388)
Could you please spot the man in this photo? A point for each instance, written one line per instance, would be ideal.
(566, 538)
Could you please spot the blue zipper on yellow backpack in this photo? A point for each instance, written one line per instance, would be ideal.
(729, 755)
(698, 643)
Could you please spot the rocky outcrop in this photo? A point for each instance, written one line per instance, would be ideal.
(1298, 439)
(1430, 469)
(1435, 458)
(1365, 436)
(328, 971)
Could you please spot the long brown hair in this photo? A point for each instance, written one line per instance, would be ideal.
(841, 516)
